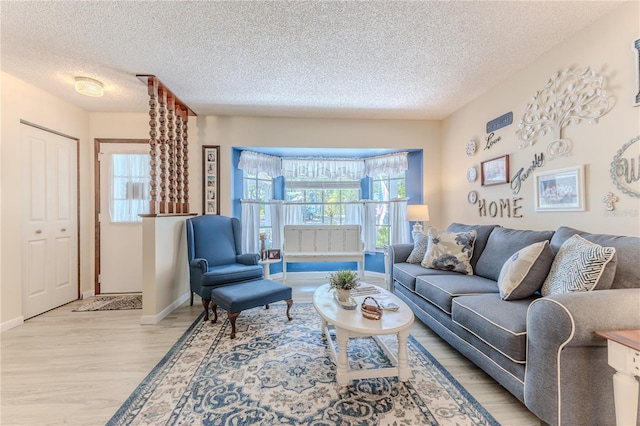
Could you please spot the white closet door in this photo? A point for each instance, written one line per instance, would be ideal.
(50, 221)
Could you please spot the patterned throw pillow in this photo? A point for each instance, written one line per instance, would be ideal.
(449, 251)
(419, 249)
(579, 266)
(525, 271)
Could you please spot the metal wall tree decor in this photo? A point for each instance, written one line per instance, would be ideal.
(569, 97)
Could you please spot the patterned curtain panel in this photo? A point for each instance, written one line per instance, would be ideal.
(253, 163)
(391, 164)
(329, 168)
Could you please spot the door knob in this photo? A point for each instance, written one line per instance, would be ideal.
(63, 230)
(39, 231)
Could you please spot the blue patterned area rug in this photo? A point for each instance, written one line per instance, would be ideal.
(277, 372)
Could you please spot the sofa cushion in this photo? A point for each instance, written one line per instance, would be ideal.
(580, 265)
(442, 289)
(482, 235)
(627, 253)
(449, 251)
(419, 249)
(524, 273)
(499, 323)
(501, 245)
(406, 273)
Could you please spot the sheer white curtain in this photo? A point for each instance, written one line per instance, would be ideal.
(254, 163)
(390, 164)
(331, 168)
(129, 197)
(354, 213)
(398, 230)
(293, 214)
(369, 225)
(250, 226)
(276, 217)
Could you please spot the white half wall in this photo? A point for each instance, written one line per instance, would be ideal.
(165, 270)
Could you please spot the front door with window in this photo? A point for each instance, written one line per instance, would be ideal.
(124, 195)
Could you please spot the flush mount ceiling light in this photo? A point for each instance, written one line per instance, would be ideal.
(89, 87)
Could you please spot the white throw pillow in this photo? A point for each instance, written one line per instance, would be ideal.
(525, 271)
(579, 266)
(449, 251)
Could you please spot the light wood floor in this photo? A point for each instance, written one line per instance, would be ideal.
(77, 368)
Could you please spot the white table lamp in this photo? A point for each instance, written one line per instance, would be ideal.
(417, 213)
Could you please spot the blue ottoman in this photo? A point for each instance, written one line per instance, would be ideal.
(235, 298)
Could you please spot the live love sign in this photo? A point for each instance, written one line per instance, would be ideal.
(625, 168)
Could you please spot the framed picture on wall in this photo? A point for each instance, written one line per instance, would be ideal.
(210, 179)
(636, 52)
(560, 190)
(495, 171)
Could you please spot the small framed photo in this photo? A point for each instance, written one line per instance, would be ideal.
(636, 61)
(560, 190)
(210, 179)
(495, 171)
(273, 254)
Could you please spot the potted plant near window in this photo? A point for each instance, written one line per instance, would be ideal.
(343, 282)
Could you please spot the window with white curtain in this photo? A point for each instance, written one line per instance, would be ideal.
(259, 188)
(322, 201)
(130, 190)
(386, 187)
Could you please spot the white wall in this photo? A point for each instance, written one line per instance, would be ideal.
(24, 101)
(606, 46)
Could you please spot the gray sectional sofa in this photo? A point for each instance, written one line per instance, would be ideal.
(541, 349)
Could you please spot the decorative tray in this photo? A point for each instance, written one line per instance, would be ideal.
(351, 304)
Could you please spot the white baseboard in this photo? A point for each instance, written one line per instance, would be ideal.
(12, 323)
(87, 294)
(154, 319)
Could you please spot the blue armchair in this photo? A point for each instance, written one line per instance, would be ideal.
(215, 256)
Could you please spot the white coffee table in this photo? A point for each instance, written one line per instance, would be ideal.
(351, 323)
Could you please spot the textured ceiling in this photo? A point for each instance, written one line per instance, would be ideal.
(418, 60)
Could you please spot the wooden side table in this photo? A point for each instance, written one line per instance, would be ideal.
(624, 355)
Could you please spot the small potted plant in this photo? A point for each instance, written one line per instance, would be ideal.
(343, 282)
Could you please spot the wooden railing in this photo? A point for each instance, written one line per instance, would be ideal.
(168, 135)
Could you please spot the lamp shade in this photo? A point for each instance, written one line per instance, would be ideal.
(89, 87)
(418, 213)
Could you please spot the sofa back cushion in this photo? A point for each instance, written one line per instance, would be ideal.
(501, 245)
(482, 235)
(627, 271)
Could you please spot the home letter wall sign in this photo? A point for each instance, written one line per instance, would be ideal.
(504, 206)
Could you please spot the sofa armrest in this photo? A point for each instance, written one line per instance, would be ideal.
(566, 362)
(248, 258)
(399, 253)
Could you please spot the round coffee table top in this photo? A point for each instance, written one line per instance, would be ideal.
(351, 319)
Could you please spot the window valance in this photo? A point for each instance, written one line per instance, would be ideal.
(329, 168)
(254, 163)
(391, 164)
